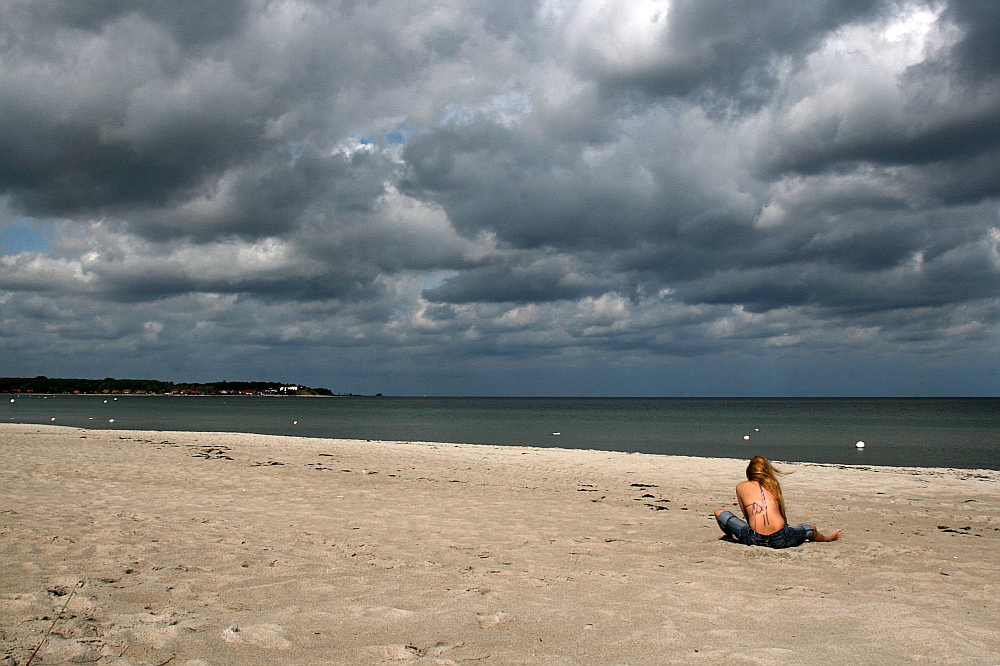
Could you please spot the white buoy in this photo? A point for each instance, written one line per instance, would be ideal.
(860, 445)
(557, 433)
(111, 420)
(53, 418)
(295, 422)
(746, 436)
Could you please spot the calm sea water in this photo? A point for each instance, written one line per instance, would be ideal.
(931, 432)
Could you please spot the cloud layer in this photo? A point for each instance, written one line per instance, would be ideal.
(464, 196)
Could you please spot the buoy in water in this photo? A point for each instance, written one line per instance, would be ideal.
(746, 436)
(860, 445)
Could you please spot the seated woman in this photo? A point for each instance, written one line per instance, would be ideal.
(763, 507)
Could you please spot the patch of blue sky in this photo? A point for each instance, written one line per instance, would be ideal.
(506, 109)
(297, 148)
(26, 235)
(435, 279)
(399, 135)
(457, 115)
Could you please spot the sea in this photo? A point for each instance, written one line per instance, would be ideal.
(904, 432)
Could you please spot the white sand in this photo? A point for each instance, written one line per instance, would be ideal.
(200, 548)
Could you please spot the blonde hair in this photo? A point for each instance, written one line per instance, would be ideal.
(763, 472)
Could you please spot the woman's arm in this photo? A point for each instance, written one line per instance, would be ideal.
(739, 500)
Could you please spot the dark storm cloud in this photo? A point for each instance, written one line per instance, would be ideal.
(496, 178)
(165, 105)
(729, 55)
(190, 22)
(539, 279)
(130, 128)
(271, 196)
(965, 131)
(466, 183)
(977, 53)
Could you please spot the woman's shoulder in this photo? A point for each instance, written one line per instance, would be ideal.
(746, 485)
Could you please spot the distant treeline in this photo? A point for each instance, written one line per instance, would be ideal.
(43, 384)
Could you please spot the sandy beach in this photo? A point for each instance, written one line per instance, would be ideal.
(215, 548)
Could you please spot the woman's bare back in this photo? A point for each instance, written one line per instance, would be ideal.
(760, 508)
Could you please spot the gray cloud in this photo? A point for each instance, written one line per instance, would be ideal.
(727, 56)
(456, 192)
(977, 53)
(189, 22)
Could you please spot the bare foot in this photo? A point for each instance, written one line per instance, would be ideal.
(818, 536)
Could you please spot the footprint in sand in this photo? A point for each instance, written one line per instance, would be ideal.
(440, 648)
(489, 620)
(400, 652)
(264, 635)
(394, 652)
(387, 613)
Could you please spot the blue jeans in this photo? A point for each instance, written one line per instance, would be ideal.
(786, 537)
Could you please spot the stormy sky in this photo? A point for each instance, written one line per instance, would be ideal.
(527, 197)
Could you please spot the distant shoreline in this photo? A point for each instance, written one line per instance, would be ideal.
(42, 385)
(185, 395)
